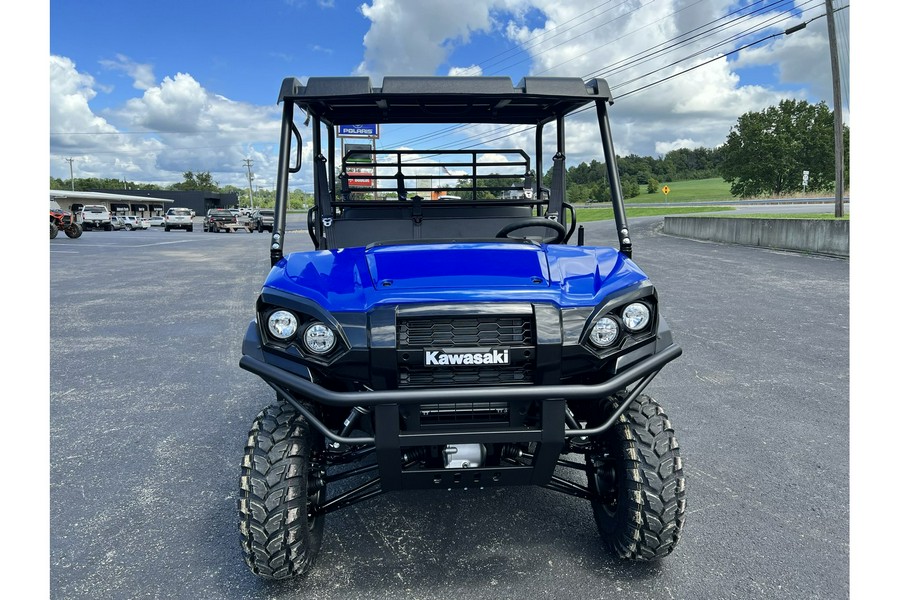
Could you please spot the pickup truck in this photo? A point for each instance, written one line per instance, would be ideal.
(263, 219)
(219, 219)
(242, 218)
(94, 216)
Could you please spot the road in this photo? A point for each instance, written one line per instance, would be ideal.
(149, 414)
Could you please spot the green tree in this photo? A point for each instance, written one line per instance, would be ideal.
(630, 188)
(482, 194)
(766, 152)
(200, 181)
(652, 186)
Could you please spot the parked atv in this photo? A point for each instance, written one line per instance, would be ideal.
(63, 220)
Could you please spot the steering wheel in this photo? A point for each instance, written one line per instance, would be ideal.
(556, 226)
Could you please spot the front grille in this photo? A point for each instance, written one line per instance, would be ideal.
(417, 335)
(449, 332)
(459, 376)
(464, 412)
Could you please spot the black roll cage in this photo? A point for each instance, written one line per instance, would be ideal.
(536, 101)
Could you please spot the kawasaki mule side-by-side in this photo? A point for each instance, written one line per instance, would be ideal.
(446, 332)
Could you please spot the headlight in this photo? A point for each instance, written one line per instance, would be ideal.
(604, 332)
(319, 338)
(636, 316)
(282, 324)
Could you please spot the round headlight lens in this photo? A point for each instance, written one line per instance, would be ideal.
(282, 324)
(319, 338)
(604, 332)
(636, 316)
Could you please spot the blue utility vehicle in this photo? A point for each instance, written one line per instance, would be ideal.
(446, 332)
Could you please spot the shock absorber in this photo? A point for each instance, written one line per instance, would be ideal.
(511, 451)
(352, 418)
(415, 454)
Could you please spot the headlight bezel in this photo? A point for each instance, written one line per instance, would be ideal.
(295, 346)
(613, 308)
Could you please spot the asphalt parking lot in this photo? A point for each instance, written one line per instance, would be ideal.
(149, 415)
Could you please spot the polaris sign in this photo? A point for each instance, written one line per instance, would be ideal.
(466, 356)
(360, 131)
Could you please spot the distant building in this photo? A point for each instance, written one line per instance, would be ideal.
(197, 201)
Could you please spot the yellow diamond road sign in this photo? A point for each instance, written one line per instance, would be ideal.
(666, 190)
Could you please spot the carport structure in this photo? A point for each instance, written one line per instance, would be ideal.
(142, 206)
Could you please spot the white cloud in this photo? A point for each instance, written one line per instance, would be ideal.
(632, 44)
(142, 74)
(663, 148)
(470, 71)
(183, 126)
(72, 123)
(416, 38)
(173, 127)
(802, 58)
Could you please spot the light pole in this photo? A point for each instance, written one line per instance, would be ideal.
(249, 163)
(838, 117)
(71, 173)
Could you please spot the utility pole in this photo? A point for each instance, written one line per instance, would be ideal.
(248, 163)
(71, 174)
(838, 116)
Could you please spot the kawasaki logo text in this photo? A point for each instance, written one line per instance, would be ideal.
(474, 356)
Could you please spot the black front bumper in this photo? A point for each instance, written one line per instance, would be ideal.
(392, 442)
(309, 390)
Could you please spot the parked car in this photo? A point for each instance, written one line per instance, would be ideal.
(263, 219)
(157, 221)
(133, 223)
(178, 218)
(116, 223)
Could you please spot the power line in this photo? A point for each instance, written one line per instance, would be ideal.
(765, 25)
(637, 58)
(654, 83)
(580, 34)
(668, 46)
(520, 48)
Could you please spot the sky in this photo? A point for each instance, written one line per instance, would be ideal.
(146, 91)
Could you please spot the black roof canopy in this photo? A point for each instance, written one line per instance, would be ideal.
(352, 100)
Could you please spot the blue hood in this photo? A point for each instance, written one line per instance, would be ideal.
(357, 279)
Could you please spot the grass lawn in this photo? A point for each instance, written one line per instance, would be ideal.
(691, 190)
(605, 214)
